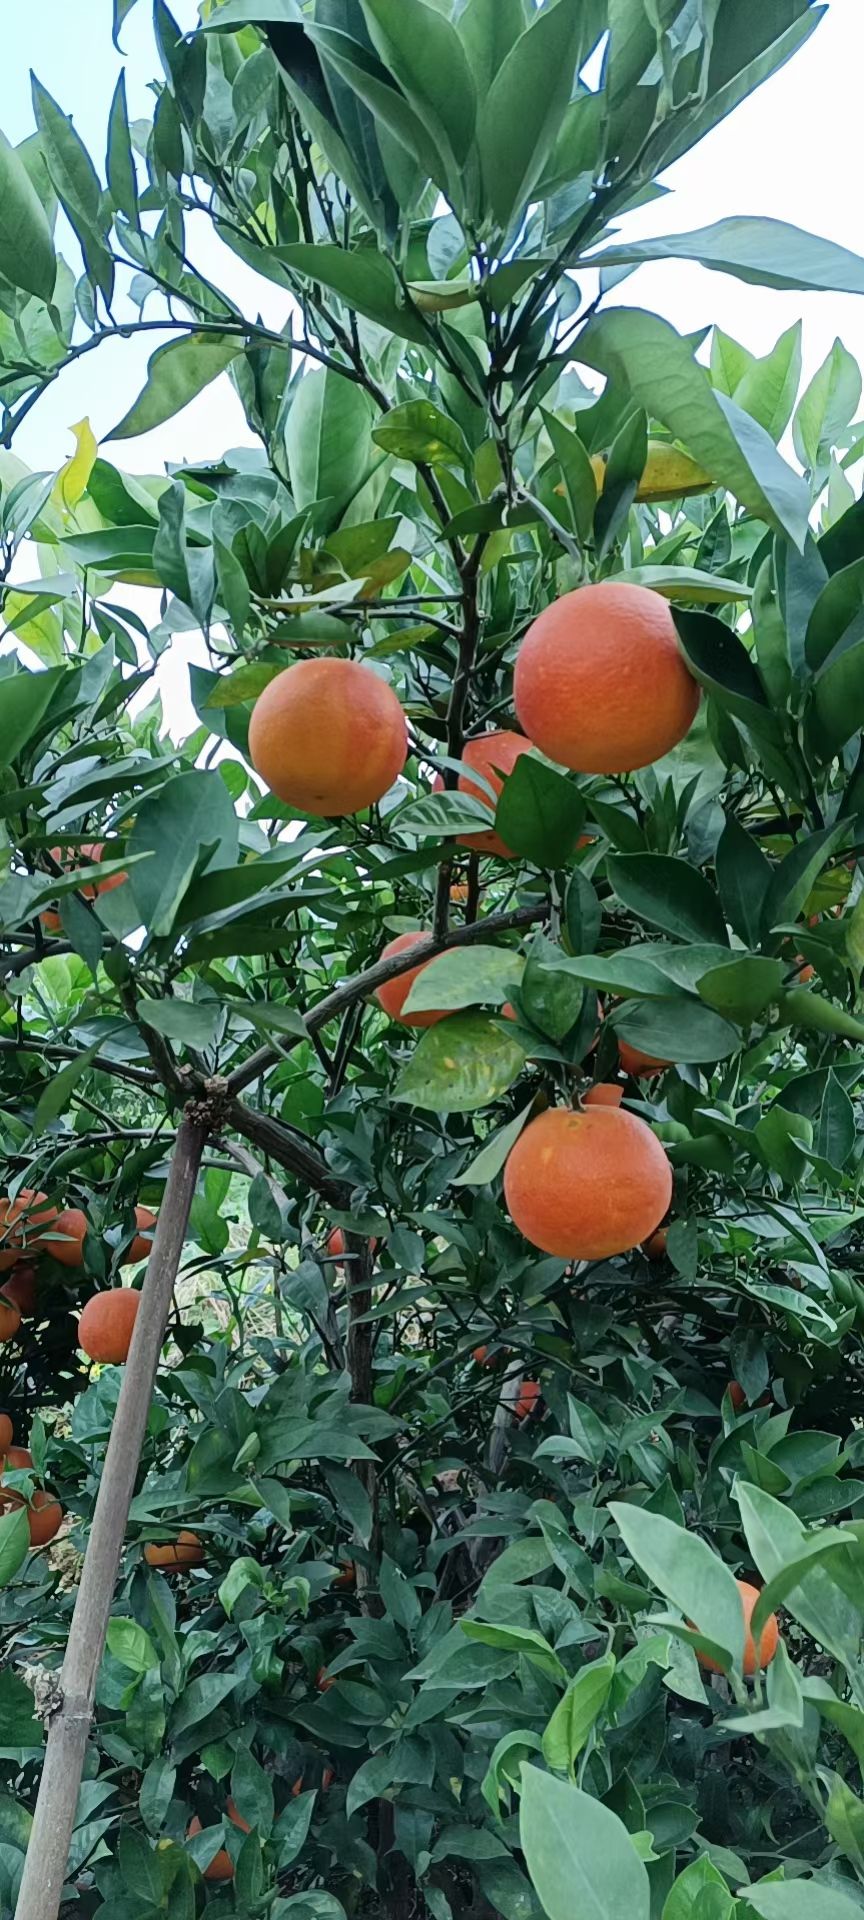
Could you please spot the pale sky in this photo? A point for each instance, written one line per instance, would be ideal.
(792, 152)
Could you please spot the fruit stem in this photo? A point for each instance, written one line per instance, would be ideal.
(69, 1728)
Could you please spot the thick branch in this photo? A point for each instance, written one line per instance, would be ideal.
(65, 1752)
(288, 1150)
(364, 984)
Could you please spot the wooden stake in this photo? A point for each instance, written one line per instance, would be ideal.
(69, 1730)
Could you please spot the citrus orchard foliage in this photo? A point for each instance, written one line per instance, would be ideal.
(500, 923)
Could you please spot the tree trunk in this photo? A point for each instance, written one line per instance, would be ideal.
(48, 1851)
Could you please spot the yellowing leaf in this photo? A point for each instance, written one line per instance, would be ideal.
(72, 479)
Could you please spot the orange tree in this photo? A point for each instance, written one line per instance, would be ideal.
(460, 1025)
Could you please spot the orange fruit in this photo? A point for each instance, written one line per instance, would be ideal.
(769, 1639)
(393, 995)
(655, 1245)
(70, 1228)
(86, 856)
(20, 1222)
(19, 1457)
(600, 683)
(297, 1787)
(171, 1555)
(337, 1245)
(107, 1323)
(587, 1185)
(221, 1866)
(603, 1095)
(480, 1356)
(328, 737)
(348, 1575)
(235, 1817)
(327, 1779)
(142, 1245)
(637, 1063)
(45, 1518)
(20, 1288)
(10, 1320)
(508, 1011)
(323, 1680)
(493, 755)
(737, 1396)
(6, 1431)
(529, 1394)
(459, 892)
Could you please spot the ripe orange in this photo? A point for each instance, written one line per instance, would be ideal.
(70, 1228)
(529, 1395)
(328, 737)
(655, 1245)
(20, 1222)
(323, 1680)
(737, 1396)
(10, 1320)
(393, 995)
(769, 1639)
(20, 1288)
(337, 1244)
(493, 755)
(637, 1063)
(172, 1555)
(600, 683)
(6, 1431)
(142, 1245)
(508, 1011)
(348, 1575)
(86, 856)
(327, 1778)
(19, 1457)
(480, 1356)
(221, 1866)
(587, 1185)
(297, 1787)
(107, 1323)
(459, 892)
(603, 1095)
(235, 1817)
(45, 1518)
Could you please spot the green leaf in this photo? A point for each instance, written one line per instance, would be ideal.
(492, 1156)
(782, 1139)
(522, 1640)
(363, 279)
(660, 369)
(252, 1793)
(579, 1854)
(327, 440)
(625, 466)
(113, 549)
(769, 387)
(793, 881)
(699, 1893)
(566, 1733)
(175, 374)
(121, 9)
(522, 111)
(838, 700)
(583, 913)
(488, 29)
(465, 977)
(680, 1029)
(777, 1539)
(131, 1645)
(670, 895)
(14, 1548)
(352, 1501)
(57, 1094)
(241, 13)
(420, 431)
(370, 1782)
(76, 184)
(687, 1572)
(462, 1063)
(800, 1900)
(549, 995)
(827, 405)
(835, 1130)
(765, 253)
(401, 1600)
(24, 698)
(687, 583)
(744, 988)
(241, 1574)
(189, 825)
(425, 54)
(577, 473)
(540, 813)
(120, 160)
(156, 1793)
(743, 877)
(722, 665)
(192, 1023)
(837, 605)
(26, 247)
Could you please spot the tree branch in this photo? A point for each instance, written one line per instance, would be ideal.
(364, 984)
(50, 1050)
